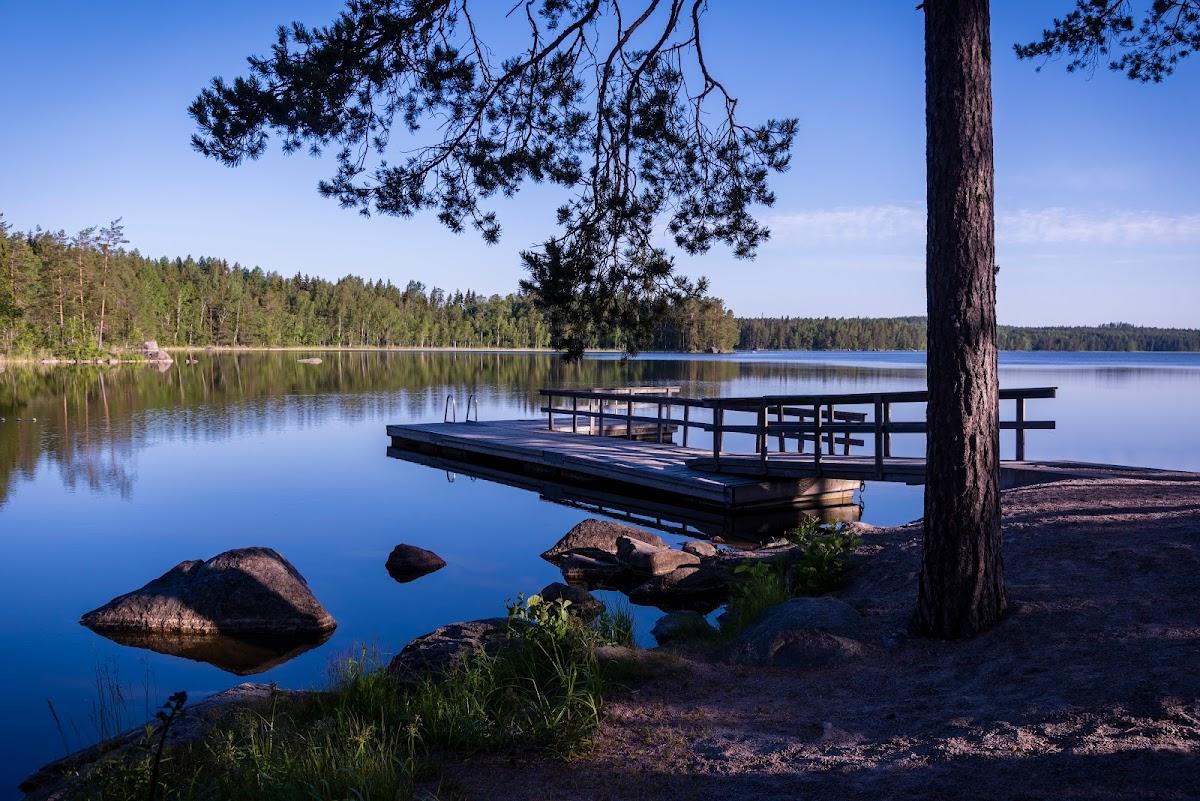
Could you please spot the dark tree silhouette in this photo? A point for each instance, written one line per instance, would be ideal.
(1149, 49)
(617, 103)
(611, 102)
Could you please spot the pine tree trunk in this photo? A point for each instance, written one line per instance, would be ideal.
(962, 575)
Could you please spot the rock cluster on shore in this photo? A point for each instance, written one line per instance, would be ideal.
(698, 576)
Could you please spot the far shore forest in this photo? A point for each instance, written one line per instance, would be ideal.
(84, 295)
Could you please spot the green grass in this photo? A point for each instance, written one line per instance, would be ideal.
(823, 565)
(368, 738)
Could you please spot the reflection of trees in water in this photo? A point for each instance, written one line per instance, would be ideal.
(91, 421)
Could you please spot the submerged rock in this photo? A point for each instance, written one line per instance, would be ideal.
(802, 632)
(583, 604)
(443, 647)
(701, 589)
(601, 535)
(593, 568)
(243, 591)
(408, 562)
(681, 625)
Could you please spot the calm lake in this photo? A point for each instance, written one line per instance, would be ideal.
(127, 471)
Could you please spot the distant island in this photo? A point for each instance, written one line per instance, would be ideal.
(82, 295)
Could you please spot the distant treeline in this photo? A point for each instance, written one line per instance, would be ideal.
(78, 295)
(908, 333)
(84, 294)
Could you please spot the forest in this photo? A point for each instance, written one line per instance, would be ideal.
(84, 295)
(908, 333)
(78, 295)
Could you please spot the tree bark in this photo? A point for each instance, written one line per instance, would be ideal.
(962, 573)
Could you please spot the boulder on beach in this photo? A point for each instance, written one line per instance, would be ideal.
(243, 591)
(802, 632)
(443, 647)
(601, 535)
(583, 604)
(408, 562)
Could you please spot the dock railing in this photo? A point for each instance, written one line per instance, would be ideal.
(780, 420)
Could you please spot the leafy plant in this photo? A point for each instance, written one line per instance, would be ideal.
(826, 549)
(760, 586)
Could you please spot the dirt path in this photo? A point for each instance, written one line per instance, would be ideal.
(1089, 689)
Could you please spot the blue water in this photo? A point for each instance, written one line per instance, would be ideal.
(127, 472)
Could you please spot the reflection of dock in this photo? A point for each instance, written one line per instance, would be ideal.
(646, 508)
(528, 446)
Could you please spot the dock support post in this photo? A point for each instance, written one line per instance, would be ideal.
(878, 437)
(629, 417)
(832, 434)
(660, 426)
(685, 424)
(550, 414)
(574, 414)
(782, 438)
(762, 434)
(718, 424)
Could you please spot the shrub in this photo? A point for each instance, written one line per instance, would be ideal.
(366, 737)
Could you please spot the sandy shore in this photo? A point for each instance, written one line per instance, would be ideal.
(1089, 689)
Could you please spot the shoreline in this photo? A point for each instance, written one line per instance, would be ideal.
(118, 357)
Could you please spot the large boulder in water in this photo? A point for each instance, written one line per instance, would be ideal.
(153, 353)
(600, 535)
(243, 591)
(408, 562)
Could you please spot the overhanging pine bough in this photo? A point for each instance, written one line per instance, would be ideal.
(612, 100)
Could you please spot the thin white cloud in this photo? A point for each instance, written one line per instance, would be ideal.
(1049, 226)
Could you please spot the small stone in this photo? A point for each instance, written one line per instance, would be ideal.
(593, 568)
(408, 562)
(704, 550)
(681, 625)
(582, 603)
(646, 558)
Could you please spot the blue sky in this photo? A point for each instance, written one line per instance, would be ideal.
(1098, 217)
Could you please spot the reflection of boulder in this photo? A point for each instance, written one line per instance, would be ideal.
(408, 562)
(242, 655)
(309, 360)
(243, 591)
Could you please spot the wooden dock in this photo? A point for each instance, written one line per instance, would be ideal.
(529, 445)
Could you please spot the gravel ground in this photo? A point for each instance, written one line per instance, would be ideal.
(1090, 688)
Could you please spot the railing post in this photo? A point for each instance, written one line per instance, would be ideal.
(762, 433)
(817, 435)
(686, 407)
(887, 435)
(878, 437)
(832, 433)
(629, 416)
(782, 437)
(550, 413)
(1020, 429)
(599, 424)
(660, 425)
(718, 424)
(574, 414)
